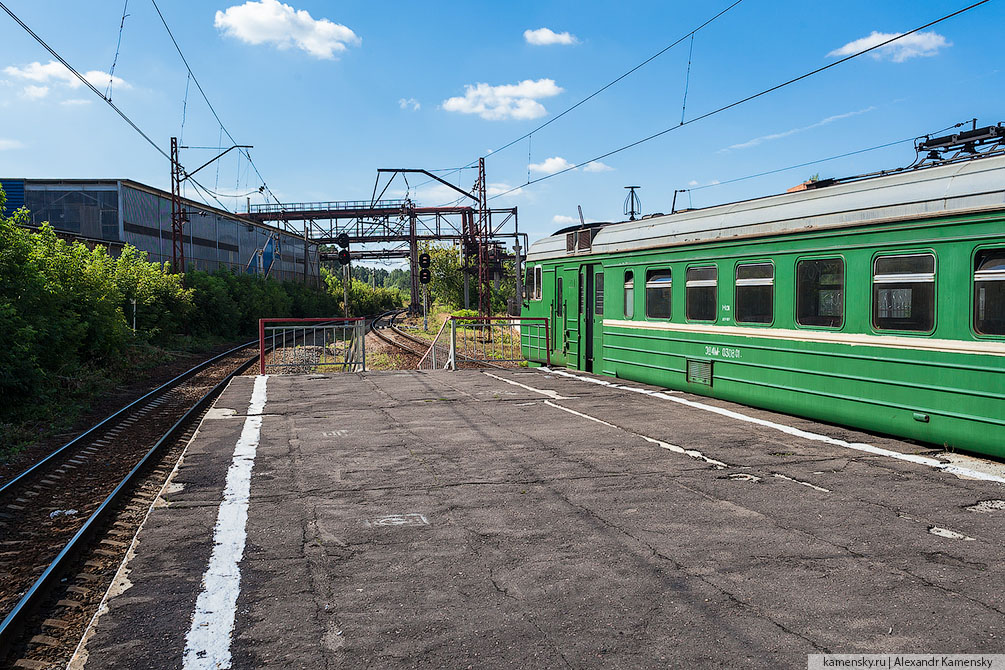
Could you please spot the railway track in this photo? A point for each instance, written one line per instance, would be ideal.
(70, 511)
(412, 345)
(417, 346)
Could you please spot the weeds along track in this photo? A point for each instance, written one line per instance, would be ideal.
(57, 510)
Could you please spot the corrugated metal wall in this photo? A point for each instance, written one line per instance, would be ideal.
(14, 190)
(212, 240)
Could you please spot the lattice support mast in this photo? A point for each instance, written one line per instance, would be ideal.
(177, 212)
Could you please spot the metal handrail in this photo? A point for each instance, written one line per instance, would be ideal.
(270, 208)
(432, 346)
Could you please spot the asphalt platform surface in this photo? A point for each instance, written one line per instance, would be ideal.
(522, 519)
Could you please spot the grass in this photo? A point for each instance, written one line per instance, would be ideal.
(385, 361)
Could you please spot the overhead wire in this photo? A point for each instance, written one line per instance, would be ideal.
(93, 89)
(208, 103)
(83, 80)
(821, 160)
(748, 98)
(118, 46)
(607, 85)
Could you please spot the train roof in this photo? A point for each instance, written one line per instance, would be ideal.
(969, 186)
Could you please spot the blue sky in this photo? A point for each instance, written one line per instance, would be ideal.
(328, 92)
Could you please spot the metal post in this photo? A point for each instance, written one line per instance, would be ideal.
(452, 362)
(261, 346)
(346, 278)
(467, 278)
(425, 307)
(362, 339)
(413, 263)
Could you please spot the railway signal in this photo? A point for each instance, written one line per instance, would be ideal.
(342, 240)
(344, 256)
(425, 275)
(424, 260)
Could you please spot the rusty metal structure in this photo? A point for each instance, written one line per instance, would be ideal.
(178, 214)
(397, 227)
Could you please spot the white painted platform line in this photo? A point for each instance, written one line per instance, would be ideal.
(796, 432)
(545, 392)
(207, 645)
(693, 453)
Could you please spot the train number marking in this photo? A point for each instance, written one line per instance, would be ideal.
(723, 352)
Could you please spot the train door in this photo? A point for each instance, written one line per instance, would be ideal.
(597, 300)
(586, 318)
(571, 309)
(557, 317)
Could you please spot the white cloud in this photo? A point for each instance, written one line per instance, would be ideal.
(500, 188)
(692, 183)
(507, 101)
(544, 36)
(562, 219)
(597, 166)
(915, 44)
(75, 102)
(406, 103)
(7, 145)
(792, 131)
(54, 72)
(32, 92)
(551, 165)
(273, 22)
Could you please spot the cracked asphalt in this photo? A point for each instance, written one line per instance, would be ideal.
(524, 519)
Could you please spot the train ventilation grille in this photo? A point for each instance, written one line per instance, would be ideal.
(699, 372)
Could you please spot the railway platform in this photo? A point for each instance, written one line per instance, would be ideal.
(539, 519)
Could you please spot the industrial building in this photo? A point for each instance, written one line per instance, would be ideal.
(116, 212)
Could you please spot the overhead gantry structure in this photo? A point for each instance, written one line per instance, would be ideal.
(401, 222)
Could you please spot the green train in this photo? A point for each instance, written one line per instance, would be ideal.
(877, 303)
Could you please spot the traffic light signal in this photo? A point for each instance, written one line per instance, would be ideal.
(424, 260)
(425, 275)
(342, 240)
(344, 257)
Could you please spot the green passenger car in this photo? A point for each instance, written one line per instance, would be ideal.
(877, 303)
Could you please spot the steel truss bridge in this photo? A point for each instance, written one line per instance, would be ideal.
(399, 226)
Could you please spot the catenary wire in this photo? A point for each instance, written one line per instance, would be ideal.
(212, 109)
(604, 87)
(94, 90)
(83, 80)
(821, 160)
(748, 98)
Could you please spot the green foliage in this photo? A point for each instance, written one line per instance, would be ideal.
(465, 313)
(363, 299)
(66, 315)
(447, 282)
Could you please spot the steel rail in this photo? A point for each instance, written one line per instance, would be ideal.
(11, 626)
(425, 344)
(157, 392)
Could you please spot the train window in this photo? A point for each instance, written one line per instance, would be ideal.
(701, 295)
(755, 293)
(629, 294)
(538, 281)
(598, 290)
(528, 283)
(820, 292)
(659, 286)
(903, 292)
(989, 292)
